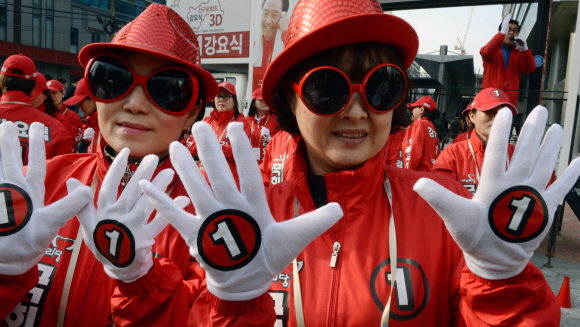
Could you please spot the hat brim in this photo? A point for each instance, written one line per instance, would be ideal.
(489, 106)
(364, 28)
(75, 99)
(205, 77)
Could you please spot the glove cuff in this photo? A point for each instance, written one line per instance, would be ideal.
(237, 308)
(491, 270)
(135, 273)
(239, 296)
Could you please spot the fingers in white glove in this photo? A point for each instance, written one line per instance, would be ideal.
(529, 140)
(36, 157)
(10, 153)
(195, 184)
(111, 181)
(144, 207)
(547, 157)
(505, 25)
(295, 234)
(557, 191)
(131, 193)
(211, 154)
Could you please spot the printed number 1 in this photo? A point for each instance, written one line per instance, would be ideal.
(522, 209)
(6, 210)
(227, 234)
(403, 288)
(115, 240)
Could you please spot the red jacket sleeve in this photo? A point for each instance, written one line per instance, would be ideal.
(523, 300)
(414, 150)
(164, 297)
(446, 164)
(490, 49)
(14, 288)
(527, 64)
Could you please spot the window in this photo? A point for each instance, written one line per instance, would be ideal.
(49, 25)
(96, 37)
(74, 40)
(3, 20)
(36, 8)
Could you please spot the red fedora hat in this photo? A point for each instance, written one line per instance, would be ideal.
(318, 25)
(161, 32)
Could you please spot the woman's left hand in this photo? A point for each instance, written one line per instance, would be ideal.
(511, 211)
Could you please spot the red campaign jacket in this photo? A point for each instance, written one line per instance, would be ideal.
(420, 145)
(17, 108)
(256, 139)
(494, 72)
(92, 121)
(75, 122)
(394, 153)
(93, 293)
(64, 121)
(279, 151)
(461, 137)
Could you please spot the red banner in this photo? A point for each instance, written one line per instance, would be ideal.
(225, 45)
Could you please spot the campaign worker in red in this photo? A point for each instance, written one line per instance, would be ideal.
(421, 143)
(405, 252)
(75, 123)
(89, 108)
(262, 123)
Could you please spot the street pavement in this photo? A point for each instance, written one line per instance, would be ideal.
(555, 277)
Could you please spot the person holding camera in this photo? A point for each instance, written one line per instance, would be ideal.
(504, 58)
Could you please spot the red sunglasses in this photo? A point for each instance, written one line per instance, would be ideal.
(172, 89)
(327, 91)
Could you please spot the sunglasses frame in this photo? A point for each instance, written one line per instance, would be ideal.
(142, 80)
(353, 87)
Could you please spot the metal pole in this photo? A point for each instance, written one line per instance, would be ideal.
(540, 46)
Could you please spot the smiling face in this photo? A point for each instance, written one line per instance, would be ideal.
(482, 120)
(135, 122)
(271, 12)
(347, 140)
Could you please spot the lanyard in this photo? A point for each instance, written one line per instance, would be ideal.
(298, 308)
(473, 155)
(266, 123)
(217, 128)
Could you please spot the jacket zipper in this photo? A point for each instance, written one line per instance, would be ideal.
(334, 258)
(86, 293)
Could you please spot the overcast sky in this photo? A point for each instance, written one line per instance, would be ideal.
(437, 27)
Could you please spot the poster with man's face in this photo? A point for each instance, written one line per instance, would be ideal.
(272, 18)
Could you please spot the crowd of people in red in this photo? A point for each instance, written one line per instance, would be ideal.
(318, 208)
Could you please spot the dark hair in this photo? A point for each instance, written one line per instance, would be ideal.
(13, 83)
(375, 53)
(61, 80)
(50, 107)
(444, 114)
(236, 110)
(285, 5)
(74, 79)
(48, 77)
(253, 109)
(431, 115)
(512, 21)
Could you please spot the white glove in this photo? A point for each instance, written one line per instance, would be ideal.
(26, 226)
(117, 232)
(89, 134)
(512, 210)
(265, 133)
(523, 46)
(234, 236)
(505, 25)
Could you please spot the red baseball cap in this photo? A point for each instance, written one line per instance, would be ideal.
(54, 85)
(40, 85)
(490, 98)
(257, 94)
(318, 25)
(426, 102)
(161, 32)
(80, 94)
(228, 87)
(21, 62)
(467, 109)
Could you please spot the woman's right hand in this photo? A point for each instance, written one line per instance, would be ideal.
(26, 226)
(234, 236)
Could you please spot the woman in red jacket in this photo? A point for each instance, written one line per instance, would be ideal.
(56, 91)
(421, 143)
(149, 86)
(392, 258)
(262, 123)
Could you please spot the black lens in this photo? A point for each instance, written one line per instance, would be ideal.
(326, 91)
(385, 88)
(171, 89)
(109, 78)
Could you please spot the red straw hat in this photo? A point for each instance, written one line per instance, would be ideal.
(54, 85)
(318, 25)
(40, 85)
(228, 87)
(80, 94)
(21, 62)
(490, 98)
(426, 102)
(161, 32)
(257, 94)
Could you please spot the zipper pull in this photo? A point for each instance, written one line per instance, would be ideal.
(335, 249)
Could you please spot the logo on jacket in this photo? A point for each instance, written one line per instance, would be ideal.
(23, 127)
(519, 214)
(229, 239)
(432, 133)
(15, 209)
(411, 292)
(115, 242)
(54, 251)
